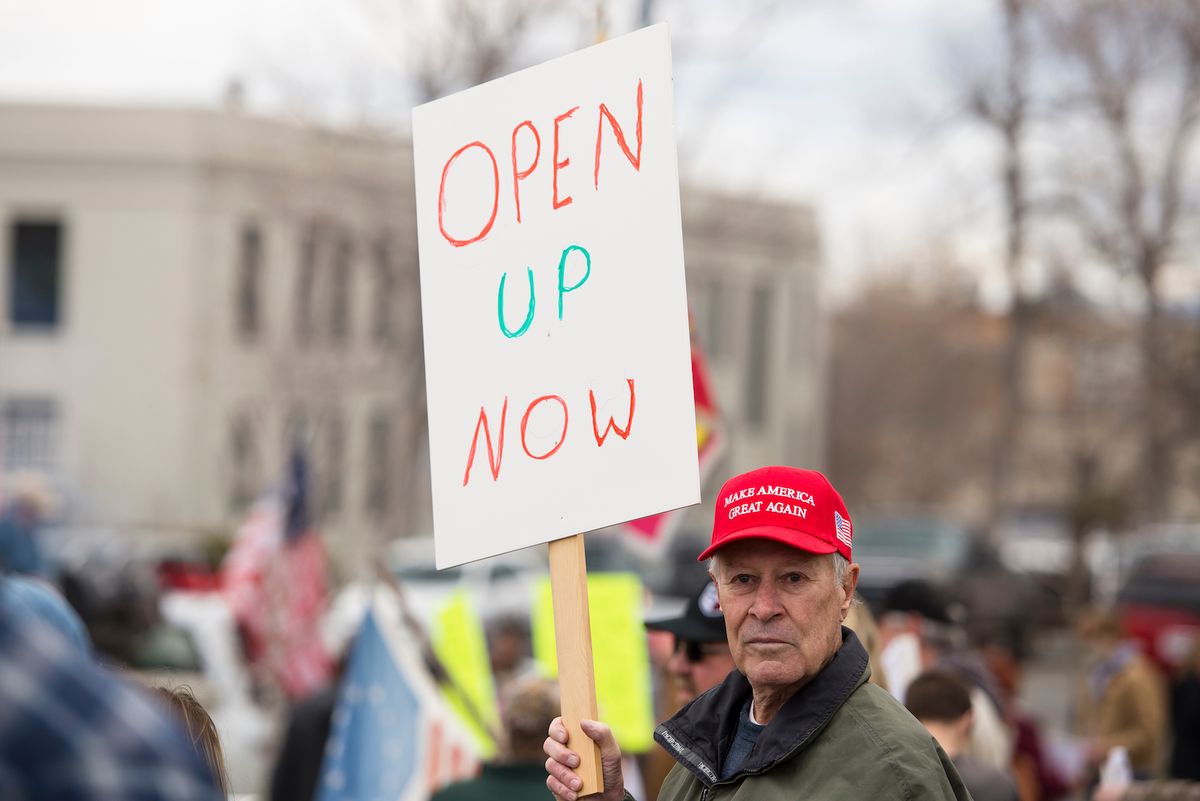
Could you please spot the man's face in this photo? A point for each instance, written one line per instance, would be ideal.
(698, 667)
(783, 610)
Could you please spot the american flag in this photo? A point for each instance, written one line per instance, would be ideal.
(274, 581)
(654, 531)
(844, 531)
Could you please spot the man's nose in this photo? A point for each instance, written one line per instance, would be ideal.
(678, 664)
(766, 602)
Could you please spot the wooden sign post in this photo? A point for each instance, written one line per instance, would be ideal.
(573, 636)
(557, 355)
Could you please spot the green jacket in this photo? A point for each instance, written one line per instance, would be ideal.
(515, 781)
(838, 738)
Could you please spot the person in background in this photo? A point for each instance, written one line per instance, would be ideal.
(30, 598)
(21, 519)
(200, 728)
(862, 622)
(1185, 719)
(917, 624)
(942, 702)
(297, 768)
(915, 630)
(1122, 697)
(529, 704)
(510, 650)
(1036, 778)
(1150, 791)
(73, 731)
(701, 658)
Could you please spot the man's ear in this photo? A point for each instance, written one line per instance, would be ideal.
(849, 584)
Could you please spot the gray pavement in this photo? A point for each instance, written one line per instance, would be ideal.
(1049, 681)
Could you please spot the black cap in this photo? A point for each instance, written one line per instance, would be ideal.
(919, 597)
(701, 621)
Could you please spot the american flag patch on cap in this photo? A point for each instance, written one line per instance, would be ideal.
(844, 531)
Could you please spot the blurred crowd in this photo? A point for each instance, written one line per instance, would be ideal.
(1136, 722)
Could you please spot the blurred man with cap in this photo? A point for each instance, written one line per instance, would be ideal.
(920, 633)
(701, 659)
(798, 718)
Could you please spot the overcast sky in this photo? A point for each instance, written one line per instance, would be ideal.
(845, 104)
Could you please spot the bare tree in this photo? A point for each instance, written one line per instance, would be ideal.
(1123, 57)
(1003, 107)
(914, 391)
(458, 43)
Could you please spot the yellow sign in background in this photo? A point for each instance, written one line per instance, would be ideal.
(622, 662)
(461, 645)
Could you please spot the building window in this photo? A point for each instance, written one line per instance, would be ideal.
(335, 450)
(306, 279)
(714, 322)
(249, 282)
(35, 273)
(343, 275)
(247, 464)
(379, 436)
(29, 434)
(756, 363)
(383, 331)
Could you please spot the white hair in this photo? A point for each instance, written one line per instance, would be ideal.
(840, 567)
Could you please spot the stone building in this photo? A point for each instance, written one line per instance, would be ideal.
(185, 293)
(752, 275)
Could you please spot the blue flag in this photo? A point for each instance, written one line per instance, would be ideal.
(373, 742)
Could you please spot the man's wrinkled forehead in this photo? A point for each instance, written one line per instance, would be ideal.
(763, 554)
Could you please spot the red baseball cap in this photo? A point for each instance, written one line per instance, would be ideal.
(797, 507)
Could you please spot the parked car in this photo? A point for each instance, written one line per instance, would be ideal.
(1159, 605)
(1036, 542)
(989, 595)
(110, 580)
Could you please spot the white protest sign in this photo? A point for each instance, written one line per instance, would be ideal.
(557, 358)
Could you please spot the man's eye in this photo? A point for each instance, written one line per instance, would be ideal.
(741, 578)
(794, 578)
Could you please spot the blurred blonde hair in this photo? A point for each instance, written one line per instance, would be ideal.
(200, 728)
(32, 489)
(861, 622)
(1099, 623)
(529, 703)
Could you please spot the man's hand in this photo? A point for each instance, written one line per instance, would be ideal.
(563, 781)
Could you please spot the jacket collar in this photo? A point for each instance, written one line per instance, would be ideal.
(700, 734)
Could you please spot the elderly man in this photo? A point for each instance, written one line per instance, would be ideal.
(798, 718)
